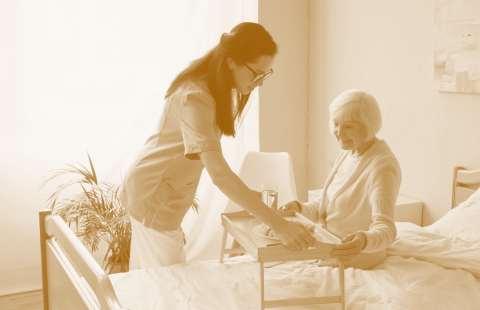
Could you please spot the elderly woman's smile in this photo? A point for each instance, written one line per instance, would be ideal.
(351, 136)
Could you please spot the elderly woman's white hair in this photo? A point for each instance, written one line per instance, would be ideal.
(357, 105)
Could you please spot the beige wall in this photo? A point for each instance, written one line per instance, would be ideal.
(386, 48)
(284, 97)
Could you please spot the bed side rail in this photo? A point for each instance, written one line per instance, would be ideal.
(71, 277)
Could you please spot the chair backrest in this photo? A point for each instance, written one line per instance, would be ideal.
(258, 168)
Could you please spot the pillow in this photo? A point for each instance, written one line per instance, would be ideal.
(462, 221)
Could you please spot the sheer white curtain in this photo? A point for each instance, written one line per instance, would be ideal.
(90, 75)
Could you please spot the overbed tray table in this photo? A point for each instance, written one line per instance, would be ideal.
(240, 225)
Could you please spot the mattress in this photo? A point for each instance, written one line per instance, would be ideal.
(422, 270)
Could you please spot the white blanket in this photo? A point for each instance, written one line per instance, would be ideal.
(423, 270)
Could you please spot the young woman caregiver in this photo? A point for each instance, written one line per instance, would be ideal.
(203, 103)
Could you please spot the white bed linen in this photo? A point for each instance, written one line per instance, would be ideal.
(423, 270)
(462, 221)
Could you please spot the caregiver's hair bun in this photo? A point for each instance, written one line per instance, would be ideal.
(246, 42)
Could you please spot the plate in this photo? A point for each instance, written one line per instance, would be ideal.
(258, 230)
(318, 236)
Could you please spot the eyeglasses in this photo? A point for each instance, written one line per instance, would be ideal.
(262, 76)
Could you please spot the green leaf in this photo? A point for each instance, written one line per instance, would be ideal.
(93, 169)
(96, 210)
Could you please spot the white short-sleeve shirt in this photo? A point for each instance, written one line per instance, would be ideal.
(161, 183)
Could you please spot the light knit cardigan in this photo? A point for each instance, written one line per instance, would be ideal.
(364, 203)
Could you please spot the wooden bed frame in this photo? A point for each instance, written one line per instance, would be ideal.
(73, 280)
(465, 183)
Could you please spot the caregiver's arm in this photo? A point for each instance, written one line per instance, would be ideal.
(293, 235)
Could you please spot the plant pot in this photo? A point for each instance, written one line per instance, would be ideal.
(117, 268)
(114, 267)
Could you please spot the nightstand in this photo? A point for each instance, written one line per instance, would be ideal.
(406, 209)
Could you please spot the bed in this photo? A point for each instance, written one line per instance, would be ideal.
(434, 267)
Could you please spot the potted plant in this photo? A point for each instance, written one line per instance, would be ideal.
(97, 212)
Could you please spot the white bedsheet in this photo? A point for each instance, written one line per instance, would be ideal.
(423, 270)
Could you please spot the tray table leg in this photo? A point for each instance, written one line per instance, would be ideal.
(224, 243)
(262, 288)
(341, 278)
(235, 245)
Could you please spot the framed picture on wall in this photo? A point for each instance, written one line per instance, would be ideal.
(457, 46)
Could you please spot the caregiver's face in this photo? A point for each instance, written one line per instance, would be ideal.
(349, 134)
(244, 74)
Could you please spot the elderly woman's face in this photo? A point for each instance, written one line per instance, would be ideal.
(349, 134)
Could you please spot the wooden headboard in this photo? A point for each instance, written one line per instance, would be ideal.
(465, 183)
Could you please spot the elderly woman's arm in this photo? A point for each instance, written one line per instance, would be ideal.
(311, 209)
(383, 196)
(308, 209)
(382, 232)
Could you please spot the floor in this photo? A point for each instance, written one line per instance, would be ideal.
(23, 301)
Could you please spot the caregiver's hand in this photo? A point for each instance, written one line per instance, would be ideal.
(293, 235)
(350, 248)
(290, 206)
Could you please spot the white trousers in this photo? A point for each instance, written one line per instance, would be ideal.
(151, 249)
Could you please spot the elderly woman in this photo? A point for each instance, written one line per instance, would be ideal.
(360, 193)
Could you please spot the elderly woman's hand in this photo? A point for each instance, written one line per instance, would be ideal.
(350, 248)
(290, 206)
